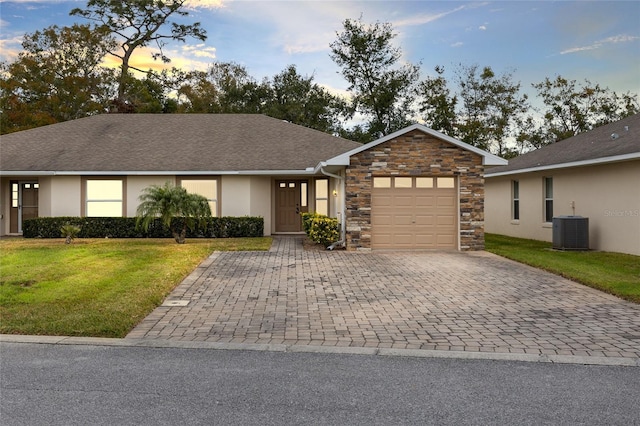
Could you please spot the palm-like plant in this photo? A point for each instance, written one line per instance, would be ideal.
(69, 232)
(169, 202)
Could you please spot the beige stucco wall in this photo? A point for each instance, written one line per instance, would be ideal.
(44, 196)
(235, 195)
(261, 200)
(65, 195)
(247, 196)
(609, 195)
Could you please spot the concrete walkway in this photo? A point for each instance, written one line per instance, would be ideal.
(429, 301)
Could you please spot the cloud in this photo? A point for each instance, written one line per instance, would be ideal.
(205, 4)
(600, 43)
(295, 27)
(457, 44)
(482, 27)
(310, 27)
(10, 48)
(200, 51)
(192, 4)
(424, 18)
(142, 59)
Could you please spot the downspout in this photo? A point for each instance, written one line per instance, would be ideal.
(343, 222)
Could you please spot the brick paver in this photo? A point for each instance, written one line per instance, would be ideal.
(428, 300)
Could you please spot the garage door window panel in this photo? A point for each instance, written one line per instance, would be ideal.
(382, 182)
(424, 182)
(403, 182)
(446, 182)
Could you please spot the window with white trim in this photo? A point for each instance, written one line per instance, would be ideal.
(548, 199)
(104, 198)
(515, 200)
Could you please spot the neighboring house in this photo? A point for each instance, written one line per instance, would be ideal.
(413, 189)
(595, 174)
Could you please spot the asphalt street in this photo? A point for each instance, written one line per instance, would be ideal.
(43, 384)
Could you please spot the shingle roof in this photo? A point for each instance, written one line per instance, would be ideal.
(612, 142)
(169, 142)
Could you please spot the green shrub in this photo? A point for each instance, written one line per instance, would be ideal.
(321, 229)
(125, 227)
(307, 219)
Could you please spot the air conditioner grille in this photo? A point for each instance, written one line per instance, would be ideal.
(571, 233)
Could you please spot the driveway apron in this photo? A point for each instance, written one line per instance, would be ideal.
(450, 301)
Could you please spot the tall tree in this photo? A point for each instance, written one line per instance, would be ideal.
(57, 77)
(198, 94)
(490, 109)
(299, 100)
(382, 88)
(437, 105)
(238, 91)
(571, 108)
(139, 23)
(226, 87)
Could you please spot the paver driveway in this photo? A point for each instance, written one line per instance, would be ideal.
(428, 300)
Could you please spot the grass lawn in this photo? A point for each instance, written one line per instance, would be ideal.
(94, 287)
(614, 273)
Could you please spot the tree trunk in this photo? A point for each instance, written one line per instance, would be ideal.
(121, 101)
(181, 236)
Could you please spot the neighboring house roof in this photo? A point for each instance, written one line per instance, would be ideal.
(168, 143)
(619, 141)
(488, 159)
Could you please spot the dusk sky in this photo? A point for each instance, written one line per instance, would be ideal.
(597, 40)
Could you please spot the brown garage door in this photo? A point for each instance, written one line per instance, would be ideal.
(414, 213)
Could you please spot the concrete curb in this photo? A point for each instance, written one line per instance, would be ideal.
(388, 352)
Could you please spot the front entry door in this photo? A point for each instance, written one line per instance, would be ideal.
(291, 200)
(24, 204)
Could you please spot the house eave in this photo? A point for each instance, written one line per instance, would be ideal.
(591, 162)
(20, 173)
(307, 171)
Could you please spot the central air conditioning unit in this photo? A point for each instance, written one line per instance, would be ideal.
(571, 233)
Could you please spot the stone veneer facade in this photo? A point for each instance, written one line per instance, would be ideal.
(415, 154)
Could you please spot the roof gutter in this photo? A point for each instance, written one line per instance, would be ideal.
(27, 173)
(604, 160)
(308, 171)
